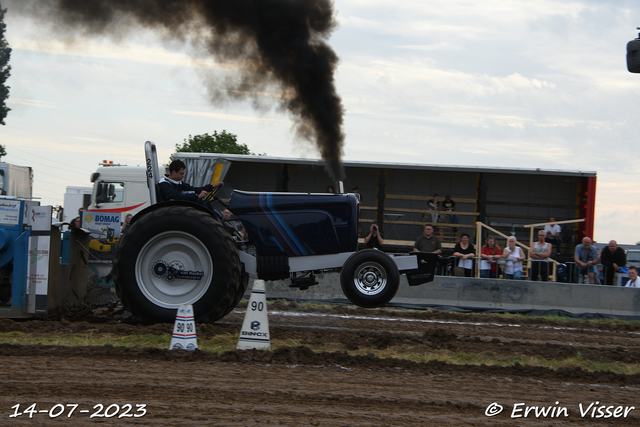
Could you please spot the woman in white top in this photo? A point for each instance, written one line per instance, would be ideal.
(514, 256)
(540, 258)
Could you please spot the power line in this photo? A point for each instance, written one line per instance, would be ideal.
(48, 164)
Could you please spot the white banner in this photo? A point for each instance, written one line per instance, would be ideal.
(99, 223)
(10, 212)
(38, 276)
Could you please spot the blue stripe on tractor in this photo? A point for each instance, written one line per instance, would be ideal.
(276, 227)
(257, 205)
(301, 247)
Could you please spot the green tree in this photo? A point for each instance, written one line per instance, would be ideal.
(5, 68)
(223, 142)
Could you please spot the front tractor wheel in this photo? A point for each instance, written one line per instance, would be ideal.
(177, 255)
(370, 278)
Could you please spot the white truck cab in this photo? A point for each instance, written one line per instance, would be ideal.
(119, 189)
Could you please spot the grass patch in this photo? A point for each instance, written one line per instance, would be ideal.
(401, 312)
(556, 318)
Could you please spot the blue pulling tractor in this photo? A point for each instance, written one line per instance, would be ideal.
(180, 253)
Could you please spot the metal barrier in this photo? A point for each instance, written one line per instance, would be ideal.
(542, 270)
(577, 274)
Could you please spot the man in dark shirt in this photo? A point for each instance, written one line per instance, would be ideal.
(173, 188)
(428, 242)
(374, 238)
(448, 205)
(612, 259)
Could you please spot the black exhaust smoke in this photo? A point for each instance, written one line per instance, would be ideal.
(280, 44)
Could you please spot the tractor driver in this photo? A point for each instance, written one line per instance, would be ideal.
(173, 188)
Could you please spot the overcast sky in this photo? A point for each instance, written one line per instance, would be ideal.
(534, 84)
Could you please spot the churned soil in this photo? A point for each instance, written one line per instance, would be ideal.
(295, 386)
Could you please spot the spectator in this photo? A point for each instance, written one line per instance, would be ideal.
(433, 205)
(234, 225)
(75, 223)
(81, 212)
(553, 233)
(599, 271)
(330, 189)
(490, 253)
(586, 256)
(465, 252)
(540, 257)
(428, 242)
(633, 278)
(127, 223)
(450, 206)
(374, 238)
(356, 190)
(514, 256)
(613, 259)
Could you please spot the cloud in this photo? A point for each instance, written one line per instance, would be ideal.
(123, 52)
(32, 103)
(230, 117)
(89, 139)
(433, 46)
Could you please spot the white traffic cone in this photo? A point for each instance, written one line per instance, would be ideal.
(184, 330)
(255, 328)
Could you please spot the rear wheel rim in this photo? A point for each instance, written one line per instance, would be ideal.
(173, 250)
(370, 278)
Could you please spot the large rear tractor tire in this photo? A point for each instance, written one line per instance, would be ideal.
(370, 278)
(177, 255)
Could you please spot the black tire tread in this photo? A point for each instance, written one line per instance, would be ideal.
(227, 259)
(348, 270)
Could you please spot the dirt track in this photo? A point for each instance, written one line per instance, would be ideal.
(295, 386)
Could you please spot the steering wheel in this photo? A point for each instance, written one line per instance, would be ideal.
(212, 193)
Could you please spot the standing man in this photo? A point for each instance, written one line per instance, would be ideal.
(633, 278)
(612, 259)
(428, 242)
(586, 256)
(450, 206)
(374, 238)
(433, 205)
(553, 233)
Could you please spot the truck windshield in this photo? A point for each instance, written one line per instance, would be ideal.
(633, 256)
(110, 192)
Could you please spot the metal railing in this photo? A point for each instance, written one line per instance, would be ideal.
(544, 270)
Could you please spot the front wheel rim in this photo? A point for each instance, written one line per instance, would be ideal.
(174, 268)
(370, 278)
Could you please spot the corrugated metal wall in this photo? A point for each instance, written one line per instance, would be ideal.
(512, 199)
